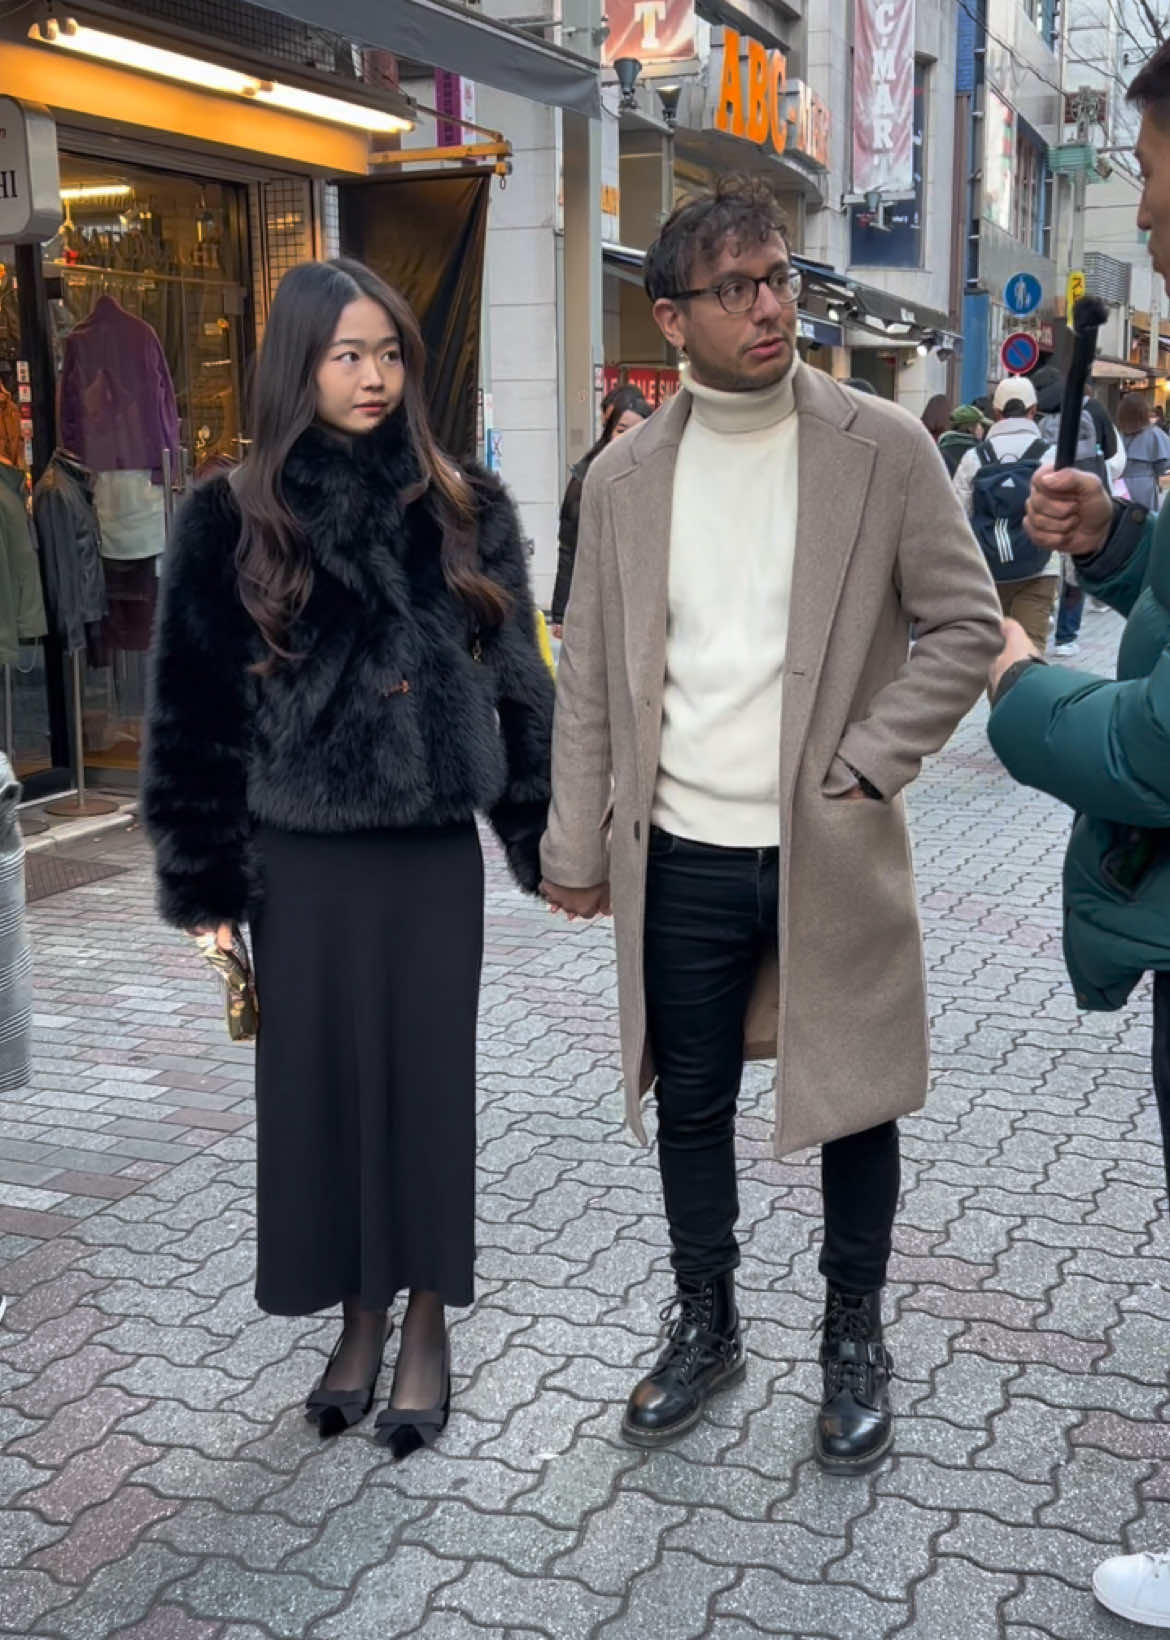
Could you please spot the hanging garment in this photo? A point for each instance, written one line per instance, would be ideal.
(11, 437)
(71, 549)
(131, 513)
(22, 605)
(132, 596)
(118, 405)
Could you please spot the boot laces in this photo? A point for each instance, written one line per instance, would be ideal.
(847, 1323)
(689, 1338)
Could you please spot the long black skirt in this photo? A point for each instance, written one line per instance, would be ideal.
(368, 949)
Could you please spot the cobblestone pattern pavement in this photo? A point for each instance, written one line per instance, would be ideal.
(159, 1482)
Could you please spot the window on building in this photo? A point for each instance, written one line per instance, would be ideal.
(1028, 194)
(1043, 14)
(1031, 198)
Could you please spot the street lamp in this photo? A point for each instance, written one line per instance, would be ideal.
(627, 70)
(668, 97)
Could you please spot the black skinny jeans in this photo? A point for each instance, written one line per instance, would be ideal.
(710, 913)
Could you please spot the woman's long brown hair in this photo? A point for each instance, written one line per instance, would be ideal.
(273, 559)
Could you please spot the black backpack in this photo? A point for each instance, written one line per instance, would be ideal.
(999, 499)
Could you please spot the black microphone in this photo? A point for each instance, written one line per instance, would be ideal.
(1089, 315)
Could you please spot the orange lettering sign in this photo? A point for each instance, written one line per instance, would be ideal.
(777, 84)
(786, 118)
(729, 109)
(757, 102)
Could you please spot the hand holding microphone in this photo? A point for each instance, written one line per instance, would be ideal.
(1070, 511)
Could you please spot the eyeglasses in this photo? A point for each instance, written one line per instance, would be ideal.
(740, 293)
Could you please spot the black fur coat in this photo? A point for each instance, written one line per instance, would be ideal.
(386, 720)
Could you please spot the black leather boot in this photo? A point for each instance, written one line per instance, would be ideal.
(855, 1428)
(703, 1354)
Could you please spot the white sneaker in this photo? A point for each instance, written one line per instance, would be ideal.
(1137, 1587)
(1072, 648)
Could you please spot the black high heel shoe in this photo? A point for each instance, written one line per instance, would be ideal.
(336, 1410)
(404, 1430)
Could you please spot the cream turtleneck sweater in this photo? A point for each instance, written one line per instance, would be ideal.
(732, 542)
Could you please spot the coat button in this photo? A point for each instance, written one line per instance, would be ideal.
(637, 831)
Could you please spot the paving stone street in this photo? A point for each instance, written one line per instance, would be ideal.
(159, 1481)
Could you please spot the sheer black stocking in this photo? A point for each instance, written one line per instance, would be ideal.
(363, 1337)
(418, 1377)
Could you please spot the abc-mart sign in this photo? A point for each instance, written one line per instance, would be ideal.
(757, 101)
(30, 183)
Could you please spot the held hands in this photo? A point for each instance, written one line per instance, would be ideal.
(224, 935)
(1068, 511)
(577, 902)
(1017, 646)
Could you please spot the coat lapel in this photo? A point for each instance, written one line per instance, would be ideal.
(835, 468)
(642, 500)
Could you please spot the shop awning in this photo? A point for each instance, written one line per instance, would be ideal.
(463, 41)
(895, 311)
(1117, 370)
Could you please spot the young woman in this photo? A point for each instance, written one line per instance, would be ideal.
(346, 670)
(936, 418)
(627, 410)
(1147, 452)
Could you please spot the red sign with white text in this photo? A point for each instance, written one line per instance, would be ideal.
(651, 31)
(655, 385)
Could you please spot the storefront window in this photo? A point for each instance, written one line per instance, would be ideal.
(998, 162)
(146, 290)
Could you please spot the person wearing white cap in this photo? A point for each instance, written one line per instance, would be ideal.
(992, 482)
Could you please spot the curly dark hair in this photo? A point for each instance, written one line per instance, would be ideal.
(743, 209)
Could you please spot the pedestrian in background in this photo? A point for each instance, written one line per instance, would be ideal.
(1099, 745)
(1147, 452)
(627, 410)
(969, 426)
(936, 418)
(991, 482)
(750, 562)
(346, 670)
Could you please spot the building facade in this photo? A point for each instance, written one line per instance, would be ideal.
(769, 89)
(1009, 115)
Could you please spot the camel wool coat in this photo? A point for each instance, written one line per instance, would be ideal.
(881, 543)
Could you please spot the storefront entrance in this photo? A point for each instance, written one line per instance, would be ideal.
(150, 331)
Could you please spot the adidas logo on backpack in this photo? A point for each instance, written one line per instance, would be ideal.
(999, 500)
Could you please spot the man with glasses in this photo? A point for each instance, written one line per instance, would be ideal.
(737, 714)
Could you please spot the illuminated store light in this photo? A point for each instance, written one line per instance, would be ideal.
(122, 52)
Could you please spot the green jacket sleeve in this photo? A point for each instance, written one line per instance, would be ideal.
(1118, 573)
(1101, 747)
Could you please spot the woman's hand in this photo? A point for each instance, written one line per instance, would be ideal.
(225, 935)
